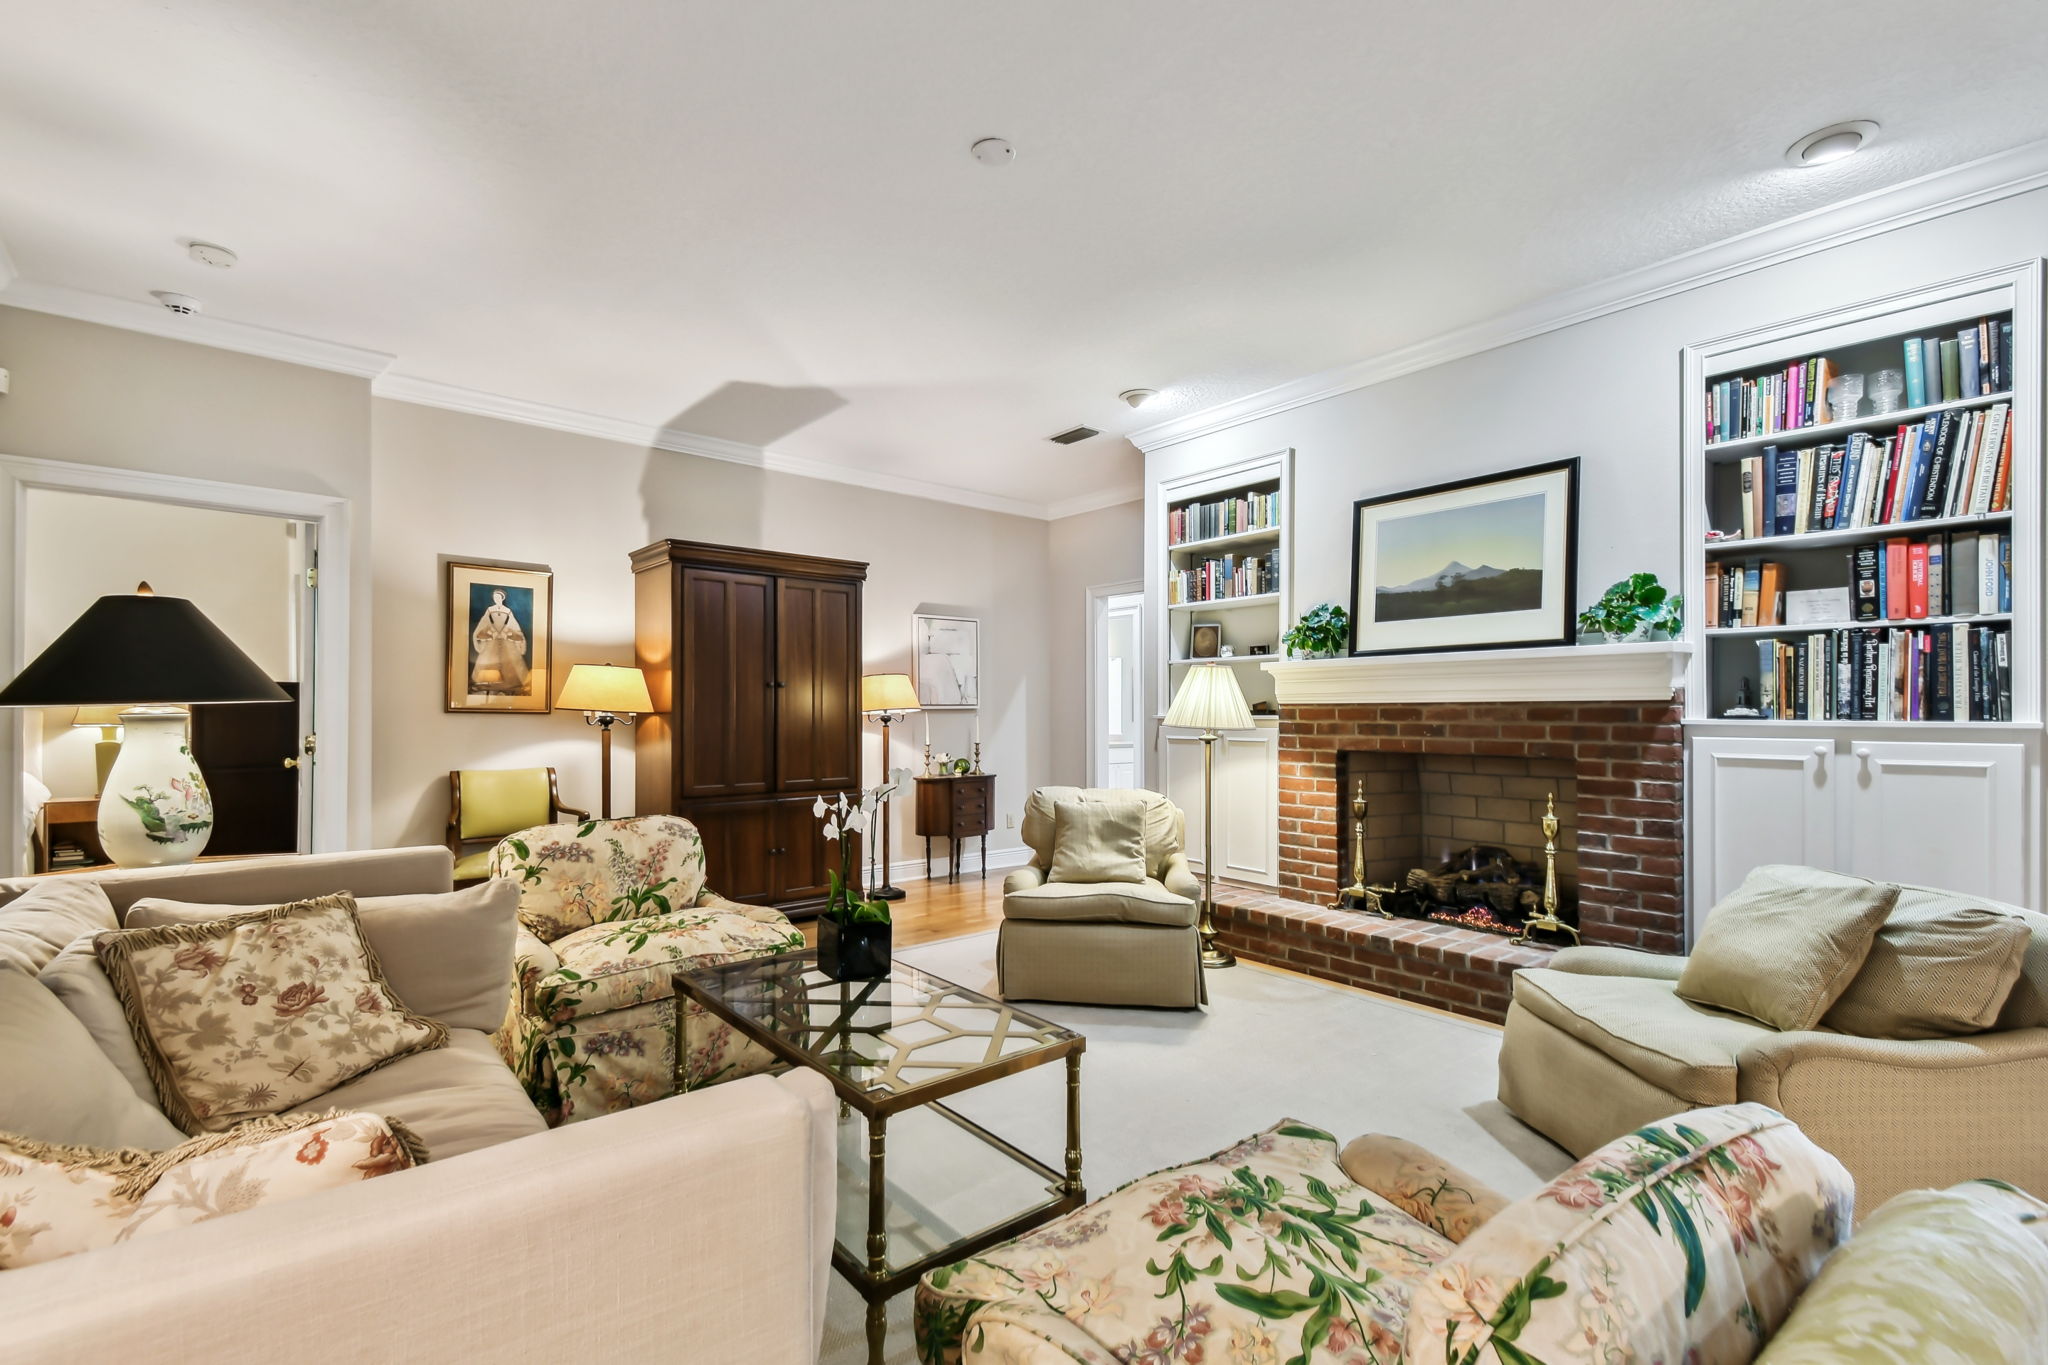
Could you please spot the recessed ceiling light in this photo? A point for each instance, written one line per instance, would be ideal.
(209, 253)
(1831, 143)
(1138, 398)
(993, 151)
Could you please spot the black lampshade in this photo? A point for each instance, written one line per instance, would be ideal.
(136, 649)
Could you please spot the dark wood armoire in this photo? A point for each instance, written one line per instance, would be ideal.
(753, 659)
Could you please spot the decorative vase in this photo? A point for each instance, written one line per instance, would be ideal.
(155, 810)
(853, 952)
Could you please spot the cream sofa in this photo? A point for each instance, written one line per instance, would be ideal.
(1108, 943)
(698, 1225)
(1599, 1043)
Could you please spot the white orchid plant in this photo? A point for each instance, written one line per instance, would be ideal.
(844, 819)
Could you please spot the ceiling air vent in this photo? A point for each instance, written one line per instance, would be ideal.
(1068, 437)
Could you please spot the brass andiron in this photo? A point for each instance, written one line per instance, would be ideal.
(1546, 918)
(1359, 896)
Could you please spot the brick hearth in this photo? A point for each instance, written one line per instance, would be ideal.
(1460, 970)
(1627, 767)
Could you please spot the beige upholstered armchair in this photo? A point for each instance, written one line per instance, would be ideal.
(1599, 1043)
(1112, 942)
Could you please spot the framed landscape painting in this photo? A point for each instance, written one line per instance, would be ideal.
(948, 655)
(1484, 563)
(501, 639)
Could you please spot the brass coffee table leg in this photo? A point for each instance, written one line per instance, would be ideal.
(1073, 1186)
(878, 1236)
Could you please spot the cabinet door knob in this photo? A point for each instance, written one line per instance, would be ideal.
(1863, 754)
(1820, 751)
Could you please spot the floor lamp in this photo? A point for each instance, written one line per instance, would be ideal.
(1209, 701)
(607, 695)
(887, 697)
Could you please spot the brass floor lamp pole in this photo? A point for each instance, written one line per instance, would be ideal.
(1214, 954)
(886, 697)
(1208, 700)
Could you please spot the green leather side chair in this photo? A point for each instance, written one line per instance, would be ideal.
(486, 804)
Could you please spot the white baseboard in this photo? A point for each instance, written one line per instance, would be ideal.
(912, 869)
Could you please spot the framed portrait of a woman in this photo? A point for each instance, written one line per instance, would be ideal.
(501, 639)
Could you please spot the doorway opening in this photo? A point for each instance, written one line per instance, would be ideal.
(1116, 677)
(254, 576)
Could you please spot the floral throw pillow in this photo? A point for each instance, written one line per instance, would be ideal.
(1688, 1240)
(258, 1013)
(57, 1200)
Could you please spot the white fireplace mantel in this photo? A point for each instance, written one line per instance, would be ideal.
(1652, 671)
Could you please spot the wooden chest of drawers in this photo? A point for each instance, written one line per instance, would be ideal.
(956, 808)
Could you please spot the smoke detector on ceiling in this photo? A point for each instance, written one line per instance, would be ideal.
(993, 151)
(210, 253)
(183, 304)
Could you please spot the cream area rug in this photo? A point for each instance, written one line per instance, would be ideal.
(1162, 1087)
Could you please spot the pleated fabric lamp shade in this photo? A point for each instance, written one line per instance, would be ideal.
(1209, 699)
(150, 655)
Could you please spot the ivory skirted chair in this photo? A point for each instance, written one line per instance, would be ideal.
(1603, 1041)
(609, 911)
(1130, 941)
(486, 804)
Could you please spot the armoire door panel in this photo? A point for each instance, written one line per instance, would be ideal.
(817, 630)
(727, 673)
(803, 854)
(1935, 814)
(740, 838)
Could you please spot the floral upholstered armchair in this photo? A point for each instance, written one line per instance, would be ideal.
(609, 911)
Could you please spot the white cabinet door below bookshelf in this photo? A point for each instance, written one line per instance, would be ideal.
(1947, 815)
(1756, 801)
(1246, 799)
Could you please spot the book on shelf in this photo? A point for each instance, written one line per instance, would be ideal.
(1899, 578)
(1952, 464)
(1953, 672)
(1222, 517)
(1976, 361)
(1221, 578)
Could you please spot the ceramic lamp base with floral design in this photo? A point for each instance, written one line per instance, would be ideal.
(155, 810)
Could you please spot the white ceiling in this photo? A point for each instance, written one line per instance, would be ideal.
(757, 220)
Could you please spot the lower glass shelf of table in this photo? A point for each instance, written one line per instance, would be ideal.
(920, 1185)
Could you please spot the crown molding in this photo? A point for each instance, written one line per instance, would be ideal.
(433, 394)
(221, 333)
(1092, 502)
(1937, 194)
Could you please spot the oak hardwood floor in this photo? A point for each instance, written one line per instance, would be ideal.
(930, 911)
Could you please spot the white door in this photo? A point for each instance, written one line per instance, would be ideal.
(1947, 815)
(1757, 801)
(1247, 799)
(1115, 691)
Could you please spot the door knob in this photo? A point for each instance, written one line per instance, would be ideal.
(291, 763)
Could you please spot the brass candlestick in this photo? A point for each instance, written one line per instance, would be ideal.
(927, 759)
(1546, 918)
(1359, 896)
(977, 758)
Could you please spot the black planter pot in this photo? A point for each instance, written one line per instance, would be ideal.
(853, 952)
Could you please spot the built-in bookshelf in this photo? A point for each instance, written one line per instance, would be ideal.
(1223, 542)
(1862, 567)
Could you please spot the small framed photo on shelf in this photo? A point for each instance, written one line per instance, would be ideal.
(947, 651)
(1205, 640)
(501, 639)
(1483, 563)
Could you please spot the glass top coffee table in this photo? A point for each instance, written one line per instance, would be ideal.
(896, 1047)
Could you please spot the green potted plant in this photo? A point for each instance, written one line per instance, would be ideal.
(854, 932)
(1323, 632)
(1634, 609)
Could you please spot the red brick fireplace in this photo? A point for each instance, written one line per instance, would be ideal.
(1624, 761)
(1471, 766)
